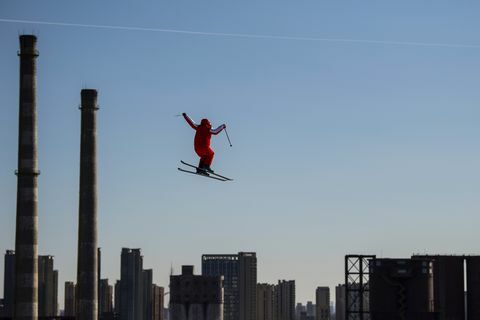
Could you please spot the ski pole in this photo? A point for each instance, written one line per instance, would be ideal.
(228, 137)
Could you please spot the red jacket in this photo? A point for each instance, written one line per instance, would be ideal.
(203, 133)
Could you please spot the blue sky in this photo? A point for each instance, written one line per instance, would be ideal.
(337, 147)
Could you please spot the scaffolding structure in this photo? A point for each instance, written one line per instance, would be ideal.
(357, 287)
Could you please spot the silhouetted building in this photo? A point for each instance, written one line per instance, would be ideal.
(147, 294)
(69, 310)
(240, 279)
(247, 278)
(106, 298)
(8, 284)
(448, 284)
(225, 265)
(322, 300)
(116, 300)
(265, 301)
(310, 308)
(340, 302)
(401, 289)
(158, 302)
(473, 287)
(131, 285)
(285, 300)
(299, 308)
(195, 297)
(26, 235)
(47, 287)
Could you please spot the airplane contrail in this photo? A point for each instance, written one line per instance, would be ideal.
(243, 35)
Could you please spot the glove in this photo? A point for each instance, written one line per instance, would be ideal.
(184, 114)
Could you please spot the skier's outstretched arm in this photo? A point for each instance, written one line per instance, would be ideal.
(218, 130)
(190, 122)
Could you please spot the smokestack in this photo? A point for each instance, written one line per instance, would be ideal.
(87, 302)
(26, 244)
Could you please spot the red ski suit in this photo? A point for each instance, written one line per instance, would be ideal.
(202, 139)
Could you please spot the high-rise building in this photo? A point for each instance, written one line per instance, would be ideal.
(322, 300)
(240, 280)
(47, 287)
(265, 301)
(299, 308)
(131, 285)
(285, 300)
(247, 280)
(116, 301)
(340, 307)
(8, 283)
(401, 289)
(147, 285)
(158, 302)
(195, 297)
(105, 304)
(69, 299)
(310, 309)
(225, 265)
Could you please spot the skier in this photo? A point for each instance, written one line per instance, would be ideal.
(202, 142)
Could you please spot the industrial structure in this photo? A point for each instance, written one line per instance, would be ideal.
(87, 277)
(195, 297)
(357, 288)
(449, 286)
(26, 236)
(401, 289)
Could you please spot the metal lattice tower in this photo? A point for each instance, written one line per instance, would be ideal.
(357, 287)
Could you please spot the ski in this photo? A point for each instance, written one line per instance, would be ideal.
(209, 173)
(203, 175)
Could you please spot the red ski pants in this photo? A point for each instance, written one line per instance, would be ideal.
(206, 156)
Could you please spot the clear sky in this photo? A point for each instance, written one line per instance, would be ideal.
(338, 147)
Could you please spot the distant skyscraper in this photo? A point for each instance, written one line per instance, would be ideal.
(147, 294)
(285, 300)
(240, 281)
(299, 308)
(9, 283)
(158, 302)
(131, 285)
(195, 297)
(225, 265)
(265, 301)
(106, 298)
(116, 300)
(69, 299)
(310, 308)
(340, 302)
(322, 298)
(47, 287)
(247, 278)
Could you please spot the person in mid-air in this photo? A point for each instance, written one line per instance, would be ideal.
(202, 147)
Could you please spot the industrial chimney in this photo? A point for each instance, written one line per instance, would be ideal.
(87, 286)
(26, 244)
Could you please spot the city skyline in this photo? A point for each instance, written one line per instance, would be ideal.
(365, 158)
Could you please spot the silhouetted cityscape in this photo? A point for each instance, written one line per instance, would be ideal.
(421, 287)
